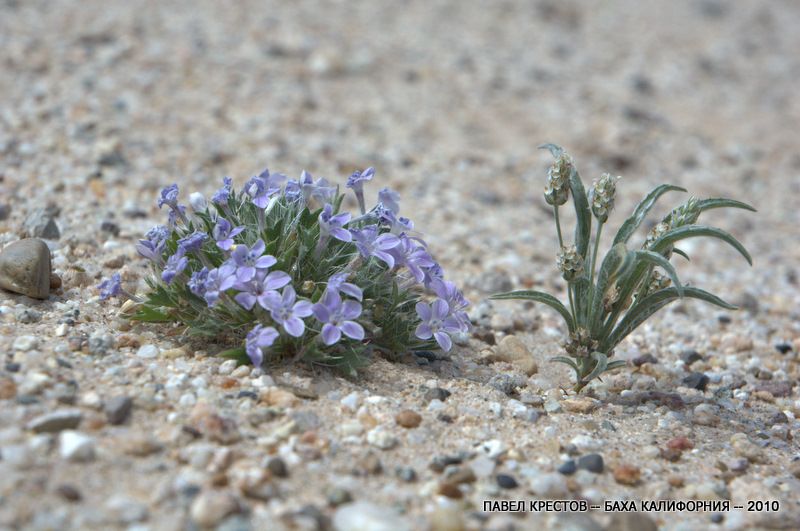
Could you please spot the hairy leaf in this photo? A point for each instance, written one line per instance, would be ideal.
(601, 363)
(650, 304)
(658, 260)
(554, 149)
(539, 296)
(721, 202)
(583, 227)
(614, 263)
(691, 231)
(632, 223)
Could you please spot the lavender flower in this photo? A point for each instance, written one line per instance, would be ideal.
(337, 318)
(169, 196)
(222, 195)
(197, 201)
(316, 192)
(174, 266)
(110, 287)
(192, 242)
(436, 323)
(390, 200)
(263, 186)
(257, 340)
(337, 283)
(197, 282)
(397, 225)
(356, 183)
(153, 246)
(223, 233)
(433, 273)
(455, 300)
(249, 260)
(288, 313)
(261, 289)
(218, 281)
(370, 243)
(411, 254)
(174, 215)
(330, 225)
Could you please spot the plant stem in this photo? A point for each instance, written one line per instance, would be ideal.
(593, 263)
(572, 304)
(558, 227)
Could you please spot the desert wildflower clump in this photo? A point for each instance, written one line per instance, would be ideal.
(279, 270)
(610, 299)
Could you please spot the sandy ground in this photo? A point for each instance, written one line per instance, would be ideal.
(103, 103)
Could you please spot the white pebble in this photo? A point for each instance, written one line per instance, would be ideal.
(75, 446)
(147, 351)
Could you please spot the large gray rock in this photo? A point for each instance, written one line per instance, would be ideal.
(25, 268)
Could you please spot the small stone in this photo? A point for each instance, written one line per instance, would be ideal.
(351, 401)
(211, 507)
(627, 474)
(778, 389)
(580, 405)
(690, 356)
(25, 343)
(591, 462)
(696, 380)
(65, 419)
(75, 446)
(680, 443)
(447, 517)
(147, 351)
(100, 343)
(381, 438)
(450, 490)
(8, 389)
(506, 481)
(277, 467)
(507, 383)
(644, 358)
(550, 485)
(139, 445)
(365, 516)
(28, 316)
(338, 496)
(69, 492)
(5, 211)
(671, 454)
(277, 397)
(118, 409)
(552, 406)
(779, 417)
(408, 419)
(568, 467)
(783, 348)
(743, 447)
(406, 473)
(437, 393)
(216, 427)
(40, 224)
(511, 349)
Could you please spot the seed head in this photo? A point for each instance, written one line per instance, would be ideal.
(610, 297)
(657, 282)
(557, 190)
(570, 263)
(602, 194)
(655, 233)
(686, 214)
(580, 343)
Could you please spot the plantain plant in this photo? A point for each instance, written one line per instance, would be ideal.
(608, 300)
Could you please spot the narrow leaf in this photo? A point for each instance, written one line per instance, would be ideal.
(555, 150)
(659, 260)
(238, 354)
(642, 310)
(538, 296)
(601, 363)
(721, 202)
(690, 231)
(583, 227)
(615, 261)
(616, 365)
(632, 223)
(681, 253)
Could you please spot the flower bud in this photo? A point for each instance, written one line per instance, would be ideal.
(570, 263)
(602, 196)
(197, 201)
(557, 190)
(580, 344)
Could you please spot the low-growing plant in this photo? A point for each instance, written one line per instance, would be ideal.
(282, 271)
(609, 300)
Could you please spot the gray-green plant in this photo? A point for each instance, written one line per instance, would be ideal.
(608, 300)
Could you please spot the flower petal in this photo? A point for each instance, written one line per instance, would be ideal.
(424, 311)
(294, 326)
(444, 341)
(302, 308)
(247, 300)
(321, 312)
(424, 331)
(353, 330)
(276, 280)
(351, 309)
(331, 334)
(266, 261)
(440, 309)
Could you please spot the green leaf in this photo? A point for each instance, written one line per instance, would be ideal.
(570, 362)
(148, 314)
(582, 288)
(691, 231)
(632, 223)
(616, 365)
(615, 262)
(554, 149)
(721, 202)
(601, 363)
(538, 296)
(238, 354)
(644, 309)
(659, 260)
(583, 228)
(681, 253)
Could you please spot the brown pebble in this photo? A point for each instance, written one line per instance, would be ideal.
(680, 443)
(627, 474)
(55, 281)
(671, 454)
(408, 419)
(69, 492)
(8, 389)
(450, 490)
(675, 481)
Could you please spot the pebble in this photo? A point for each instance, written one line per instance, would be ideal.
(125, 510)
(696, 380)
(408, 419)
(582, 404)
(365, 516)
(210, 507)
(277, 466)
(147, 351)
(549, 485)
(351, 401)
(783, 348)
(591, 462)
(40, 223)
(690, 356)
(216, 427)
(25, 343)
(436, 393)
(568, 467)
(76, 446)
(511, 349)
(65, 419)
(507, 383)
(25, 268)
(381, 438)
(118, 409)
(69, 492)
(627, 474)
(506, 481)
(406, 473)
(338, 496)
